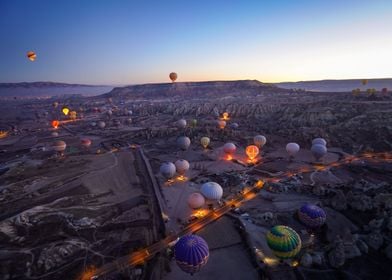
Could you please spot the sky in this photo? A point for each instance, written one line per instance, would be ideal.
(113, 42)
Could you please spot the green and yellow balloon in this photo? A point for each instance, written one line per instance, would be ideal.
(284, 242)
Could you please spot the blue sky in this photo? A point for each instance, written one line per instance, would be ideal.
(127, 42)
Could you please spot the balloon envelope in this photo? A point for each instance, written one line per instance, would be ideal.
(191, 253)
(284, 242)
(259, 140)
(65, 110)
(101, 124)
(55, 123)
(31, 55)
(196, 200)
(292, 148)
(59, 146)
(183, 142)
(173, 76)
(229, 148)
(319, 141)
(168, 170)
(312, 216)
(205, 141)
(212, 190)
(181, 123)
(252, 151)
(182, 166)
(318, 151)
(86, 142)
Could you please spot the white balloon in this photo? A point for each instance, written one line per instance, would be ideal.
(182, 166)
(196, 200)
(168, 170)
(212, 190)
(259, 140)
(229, 148)
(292, 148)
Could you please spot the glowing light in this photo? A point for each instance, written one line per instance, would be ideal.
(225, 116)
(259, 184)
(3, 134)
(221, 124)
(88, 273)
(55, 124)
(65, 111)
(252, 152)
(181, 178)
(200, 213)
(294, 263)
(72, 115)
(228, 157)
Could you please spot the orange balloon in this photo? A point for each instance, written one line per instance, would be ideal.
(31, 55)
(173, 76)
(55, 123)
(252, 151)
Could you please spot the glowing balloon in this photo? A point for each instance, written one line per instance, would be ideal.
(259, 140)
(312, 216)
(252, 151)
(191, 253)
(205, 141)
(55, 123)
(284, 242)
(182, 166)
(225, 116)
(173, 76)
(31, 55)
(65, 110)
(221, 124)
(196, 200)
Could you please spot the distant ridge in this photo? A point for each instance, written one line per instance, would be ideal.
(43, 84)
(202, 89)
(337, 85)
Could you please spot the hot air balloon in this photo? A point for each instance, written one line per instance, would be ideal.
(59, 146)
(221, 124)
(55, 123)
(292, 149)
(129, 121)
(259, 140)
(318, 151)
(205, 141)
(182, 166)
(196, 200)
(234, 125)
(191, 253)
(183, 142)
(252, 151)
(212, 190)
(65, 110)
(93, 124)
(32, 56)
(225, 116)
(173, 76)
(181, 123)
(55, 134)
(101, 124)
(320, 141)
(229, 148)
(284, 242)
(85, 142)
(312, 216)
(72, 115)
(109, 113)
(168, 170)
(193, 122)
(55, 104)
(364, 82)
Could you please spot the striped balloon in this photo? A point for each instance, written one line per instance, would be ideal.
(284, 242)
(191, 253)
(311, 215)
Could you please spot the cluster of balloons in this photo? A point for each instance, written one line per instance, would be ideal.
(169, 169)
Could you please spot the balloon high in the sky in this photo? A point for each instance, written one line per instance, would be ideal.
(183, 142)
(182, 166)
(212, 190)
(196, 200)
(259, 140)
(312, 216)
(173, 76)
(168, 170)
(191, 253)
(32, 56)
(284, 242)
(252, 151)
(205, 141)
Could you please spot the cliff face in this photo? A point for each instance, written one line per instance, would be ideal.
(194, 89)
